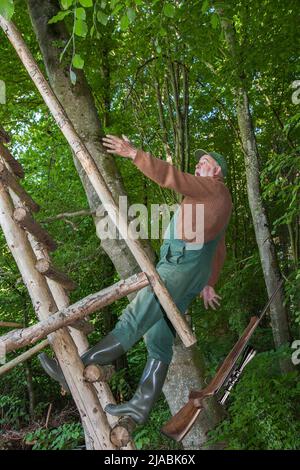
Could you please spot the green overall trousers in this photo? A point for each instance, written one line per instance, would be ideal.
(185, 273)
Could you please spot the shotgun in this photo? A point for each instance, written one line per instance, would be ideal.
(226, 376)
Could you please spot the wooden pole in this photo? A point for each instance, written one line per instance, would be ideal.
(23, 357)
(96, 179)
(10, 324)
(67, 315)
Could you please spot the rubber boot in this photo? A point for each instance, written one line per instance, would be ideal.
(147, 393)
(105, 352)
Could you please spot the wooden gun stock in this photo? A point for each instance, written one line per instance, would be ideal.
(182, 421)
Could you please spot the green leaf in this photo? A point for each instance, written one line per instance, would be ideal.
(214, 21)
(113, 3)
(102, 18)
(86, 3)
(162, 32)
(118, 8)
(73, 77)
(124, 23)
(80, 13)
(7, 8)
(59, 17)
(138, 2)
(78, 62)
(81, 28)
(66, 4)
(205, 6)
(131, 14)
(169, 10)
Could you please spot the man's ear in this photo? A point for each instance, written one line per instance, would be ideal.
(217, 170)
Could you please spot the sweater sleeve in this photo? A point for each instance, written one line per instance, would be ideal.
(167, 176)
(218, 262)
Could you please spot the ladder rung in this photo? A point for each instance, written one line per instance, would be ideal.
(4, 136)
(26, 221)
(15, 166)
(8, 179)
(68, 315)
(47, 269)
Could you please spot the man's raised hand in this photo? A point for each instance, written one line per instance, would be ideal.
(210, 298)
(122, 147)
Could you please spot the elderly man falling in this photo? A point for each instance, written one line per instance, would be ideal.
(187, 267)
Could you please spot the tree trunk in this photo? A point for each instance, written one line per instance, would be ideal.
(191, 379)
(279, 319)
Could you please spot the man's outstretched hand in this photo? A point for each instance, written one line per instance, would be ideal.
(122, 147)
(210, 298)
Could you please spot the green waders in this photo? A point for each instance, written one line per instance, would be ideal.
(185, 272)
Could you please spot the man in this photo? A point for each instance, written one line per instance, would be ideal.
(187, 267)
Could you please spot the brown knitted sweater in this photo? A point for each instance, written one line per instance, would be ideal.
(208, 190)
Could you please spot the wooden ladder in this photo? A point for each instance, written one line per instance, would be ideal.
(30, 245)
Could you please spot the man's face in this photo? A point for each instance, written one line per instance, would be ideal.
(207, 166)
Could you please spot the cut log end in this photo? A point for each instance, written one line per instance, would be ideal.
(94, 373)
(120, 434)
(44, 266)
